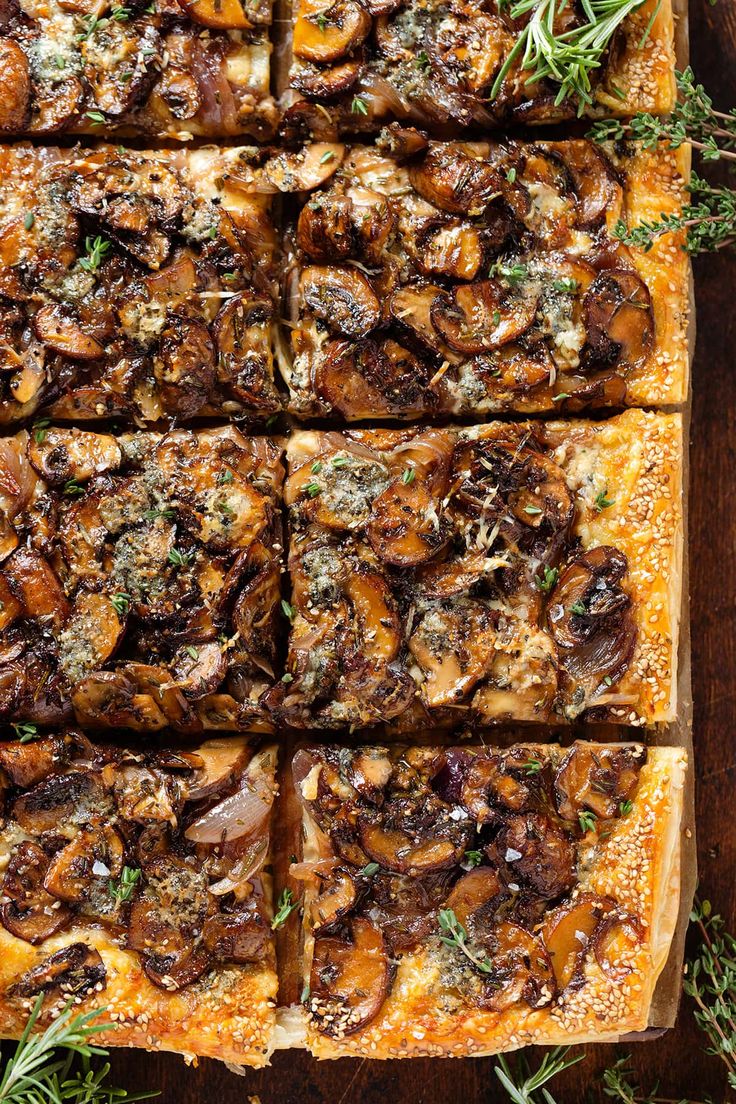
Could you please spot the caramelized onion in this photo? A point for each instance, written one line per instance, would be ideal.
(242, 814)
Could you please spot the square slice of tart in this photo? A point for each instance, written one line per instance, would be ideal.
(451, 65)
(135, 285)
(134, 880)
(434, 278)
(466, 900)
(140, 577)
(514, 571)
(169, 69)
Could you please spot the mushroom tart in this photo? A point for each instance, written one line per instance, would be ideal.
(165, 69)
(135, 881)
(139, 286)
(512, 571)
(462, 901)
(462, 278)
(450, 65)
(139, 578)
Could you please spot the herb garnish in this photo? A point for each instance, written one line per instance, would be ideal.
(284, 909)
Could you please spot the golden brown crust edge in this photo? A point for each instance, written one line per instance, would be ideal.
(639, 866)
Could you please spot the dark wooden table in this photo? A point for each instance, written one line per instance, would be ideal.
(677, 1058)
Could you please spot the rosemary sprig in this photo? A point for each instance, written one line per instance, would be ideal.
(569, 58)
(709, 219)
(39, 1071)
(522, 1084)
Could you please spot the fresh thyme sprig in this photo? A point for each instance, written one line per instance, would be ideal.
(522, 1084)
(284, 908)
(568, 58)
(618, 1083)
(709, 219)
(39, 1071)
(453, 934)
(711, 982)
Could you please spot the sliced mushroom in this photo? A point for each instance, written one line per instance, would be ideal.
(37, 586)
(27, 764)
(240, 936)
(340, 297)
(455, 181)
(593, 180)
(619, 321)
(469, 47)
(165, 920)
(185, 372)
(454, 646)
(109, 699)
(326, 83)
(28, 911)
(337, 897)
(119, 67)
(567, 934)
(521, 970)
(475, 318)
(147, 795)
(412, 851)
(15, 86)
(349, 980)
(219, 14)
(600, 779)
(61, 799)
(616, 941)
(364, 379)
(64, 454)
(56, 327)
(91, 635)
(325, 34)
(450, 249)
(590, 621)
(56, 106)
(474, 899)
(369, 771)
(199, 669)
(76, 970)
(95, 853)
(539, 853)
(10, 607)
(376, 618)
(242, 330)
(491, 780)
(221, 764)
(290, 170)
(325, 229)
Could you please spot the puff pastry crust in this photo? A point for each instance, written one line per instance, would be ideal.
(569, 919)
(184, 959)
(526, 571)
(139, 577)
(435, 64)
(469, 278)
(163, 70)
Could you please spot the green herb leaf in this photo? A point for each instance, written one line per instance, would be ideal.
(547, 579)
(121, 603)
(370, 869)
(358, 106)
(408, 476)
(123, 888)
(588, 821)
(25, 732)
(287, 609)
(473, 858)
(601, 502)
(285, 907)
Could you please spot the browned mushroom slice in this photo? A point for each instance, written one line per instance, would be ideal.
(28, 911)
(491, 779)
(475, 897)
(56, 106)
(454, 646)
(619, 322)
(109, 699)
(27, 764)
(346, 489)
(325, 229)
(15, 86)
(305, 122)
(76, 970)
(199, 669)
(541, 499)
(342, 298)
(600, 779)
(244, 360)
(455, 181)
(539, 853)
(616, 939)
(222, 762)
(591, 623)
(82, 533)
(469, 47)
(59, 330)
(219, 14)
(367, 378)
(165, 919)
(240, 936)
(411, 307)
(63, 454)
(175, 969)
(185, 371)
(61, 799)
(327, 33)
(11, 608)
(95, 853)
(405, 527)
(403, 853)
(289, 170)
(37, 586)
(329, 82)
(349, 981)
(475, 318)
(376, 618)
(91, 635)
(119, 65)
(369, 771)
(128, 191)
(521, 970)
(593, 180)
(337, 897)
(567, 934)
(453, 249)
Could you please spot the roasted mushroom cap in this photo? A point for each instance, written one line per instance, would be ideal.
(15, 86)
(349, 980)
(455, 181)
(454, 647)
(478, 317)
(567, 935)
(337, 897)
(342, 298)
(474, 899)
(619, 322)
(591, 623)
(409, 840)
(520, 969)
(598, 779)
(539, 853)
(76, 970)
(239, 936)
(327, 33)
(28, 910)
